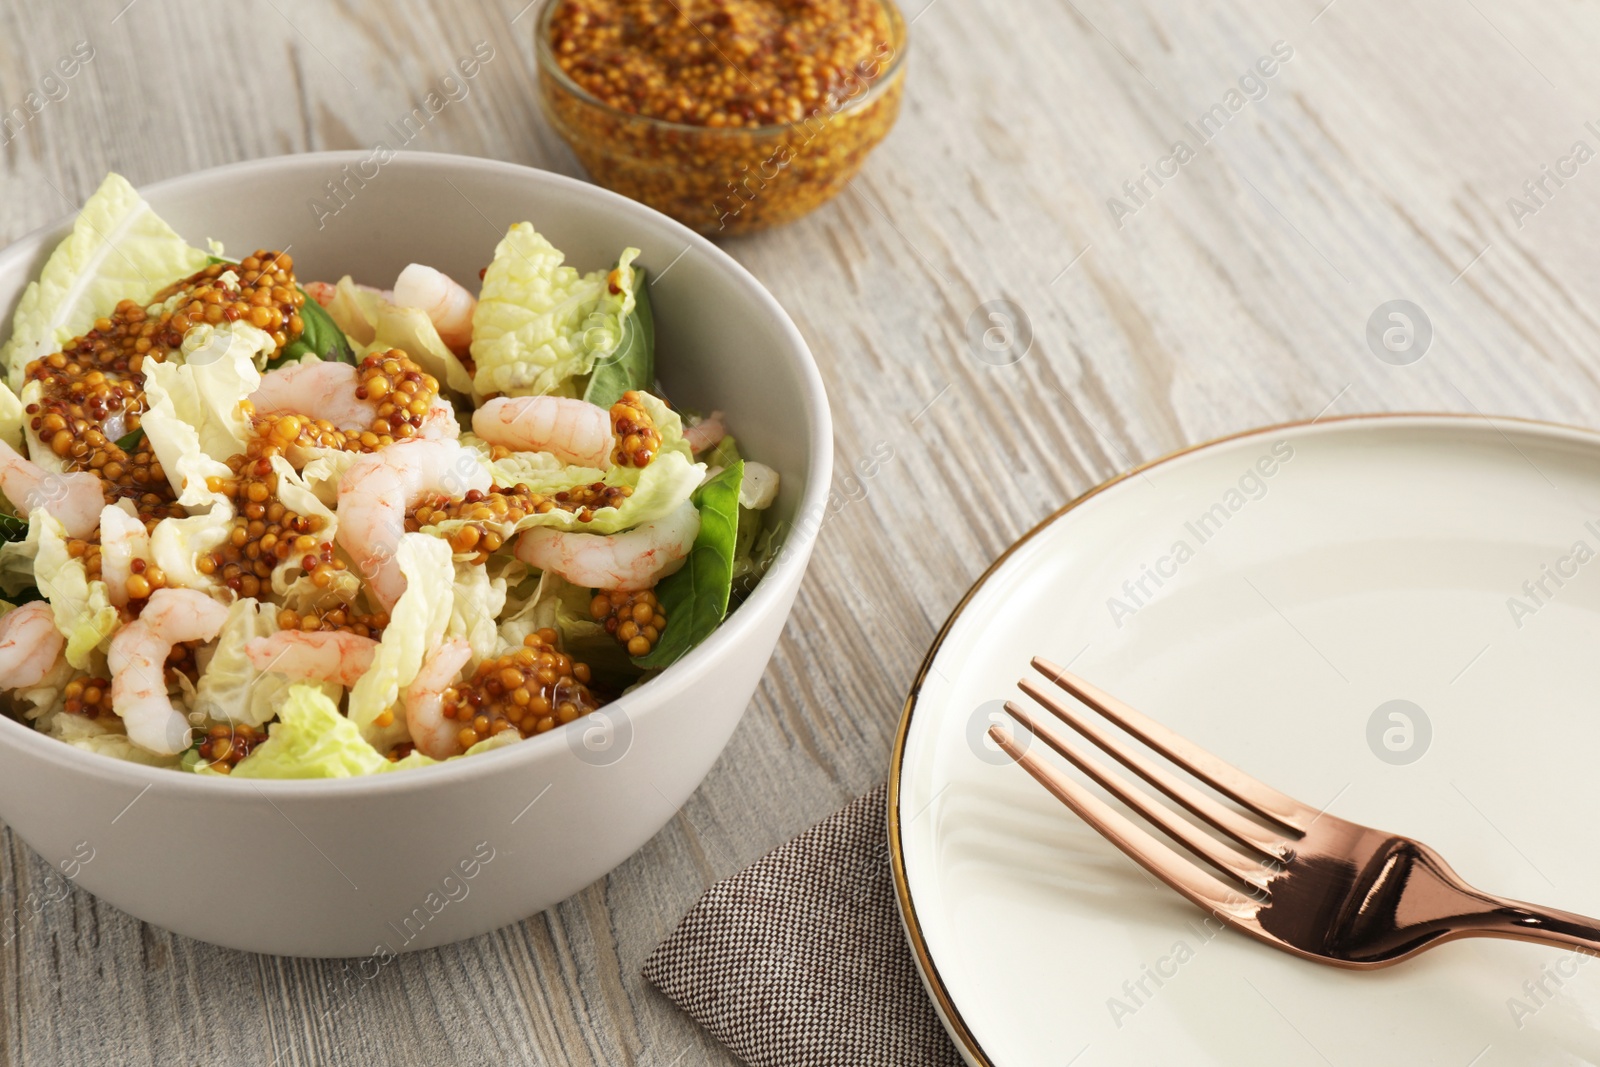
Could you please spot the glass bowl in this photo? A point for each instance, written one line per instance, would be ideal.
(723, 180)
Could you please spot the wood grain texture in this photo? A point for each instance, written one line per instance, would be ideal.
(1377, 164)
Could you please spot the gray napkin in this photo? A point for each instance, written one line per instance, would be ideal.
(799, 960)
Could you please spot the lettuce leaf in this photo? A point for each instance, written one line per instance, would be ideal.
(749, 529)
(478, 601)
(82, 608)
(374, 324)
(119, 249)
(488, 744)
(565, 607)
(658, 489)
(416, 626)
(107, 736)
(539, 324)
(312, 740)
(37, 450)
(528, 608)
(304, 597)
(695, 599)
(176, 545)
(297, 496)
(725, 453)
(633, 364)
(204, 391)
(231, 689)
(322, 469)
(354, 310)
(11, 420)
(194, 420)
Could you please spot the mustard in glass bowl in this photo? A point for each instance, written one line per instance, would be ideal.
(728, 115)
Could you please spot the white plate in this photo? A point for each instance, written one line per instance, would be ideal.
(1345, 565)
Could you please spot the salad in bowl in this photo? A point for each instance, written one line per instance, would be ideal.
(277, 527)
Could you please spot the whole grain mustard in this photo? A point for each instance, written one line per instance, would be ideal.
(729, 115)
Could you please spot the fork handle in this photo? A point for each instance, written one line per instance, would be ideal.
(1521, 921)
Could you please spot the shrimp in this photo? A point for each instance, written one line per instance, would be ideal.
(123, 539)
(432, 733)
(322, 292)
(74, 497)
(706, 433)
(574, 431)
(439, 424)
(327, 391)
(325, 656)
(625, 561)
(320, 656)
(30, 645)
(448, 305)
(322, 390)
(138, 662)
(378, 489)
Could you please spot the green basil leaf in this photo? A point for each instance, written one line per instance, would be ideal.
(129, 439)
(725, 454)
(13, 527)
(695, 599)
(634, 364)
(320, 337)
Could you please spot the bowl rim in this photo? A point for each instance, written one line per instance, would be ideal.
(673, 680)
(876, 88)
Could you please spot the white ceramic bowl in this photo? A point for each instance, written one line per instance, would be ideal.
(372, 866)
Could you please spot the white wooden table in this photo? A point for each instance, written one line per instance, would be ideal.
(1378, 162)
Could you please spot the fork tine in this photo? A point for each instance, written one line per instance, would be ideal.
(1199, 886)
(1227, 779)
(1230, 822)
(1228, 860)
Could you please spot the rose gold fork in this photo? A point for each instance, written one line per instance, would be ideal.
(1297, 878)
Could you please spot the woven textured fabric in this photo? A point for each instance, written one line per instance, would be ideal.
(799, 960)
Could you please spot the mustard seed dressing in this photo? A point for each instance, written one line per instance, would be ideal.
(93, 389)
(717, 63)
(534, 689)
(728, 115)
